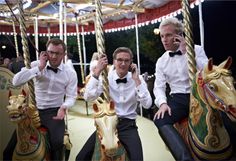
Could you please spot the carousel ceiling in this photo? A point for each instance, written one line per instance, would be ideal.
(115, 13)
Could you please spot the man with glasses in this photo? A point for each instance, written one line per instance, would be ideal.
(126, 89)
(55, 91)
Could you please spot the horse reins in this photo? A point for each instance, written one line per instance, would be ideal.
(208, 93)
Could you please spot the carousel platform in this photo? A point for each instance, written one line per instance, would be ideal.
(81, 126)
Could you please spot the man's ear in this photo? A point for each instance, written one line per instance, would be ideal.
(131, 61)
(182, 34)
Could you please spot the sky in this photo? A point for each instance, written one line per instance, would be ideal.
(219, 19)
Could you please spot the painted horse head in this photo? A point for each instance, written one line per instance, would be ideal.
(105, 122)
(31, 138)
(218, 85)
(107, 137)
(212, 91)
(17, 108)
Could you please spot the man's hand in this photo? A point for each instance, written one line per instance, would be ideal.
(43, 57)
(160, 113)
(102, 64)
(135, 74)
(60, 113)
(179, 41)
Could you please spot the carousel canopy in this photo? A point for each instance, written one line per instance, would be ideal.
(116, 14)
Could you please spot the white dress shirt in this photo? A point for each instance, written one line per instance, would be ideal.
(124, 95)
(50, 87)
(69, 63)
(174, 71)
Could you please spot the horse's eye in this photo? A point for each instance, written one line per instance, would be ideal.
(213, 87)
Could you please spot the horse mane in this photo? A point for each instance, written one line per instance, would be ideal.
(216, 74)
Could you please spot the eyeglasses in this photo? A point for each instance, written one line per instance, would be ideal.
(120, 60)
(52, 52)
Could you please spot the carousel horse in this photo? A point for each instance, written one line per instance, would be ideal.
(107, 146)
(212, 92)
(32, 138)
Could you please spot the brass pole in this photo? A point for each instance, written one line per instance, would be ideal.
(26, 55)
(101, 46)
(79, 50)
(189, 40)
(15, 38)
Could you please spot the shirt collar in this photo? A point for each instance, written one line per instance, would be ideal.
(115, 75)
(59, 67)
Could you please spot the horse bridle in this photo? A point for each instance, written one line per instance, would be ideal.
(208, 93)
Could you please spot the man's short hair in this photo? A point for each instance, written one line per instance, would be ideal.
(122, 49)
(56, 41)
(175, 22)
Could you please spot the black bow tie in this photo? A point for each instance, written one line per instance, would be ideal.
(53, 69)
(175, 53)
(121, 81)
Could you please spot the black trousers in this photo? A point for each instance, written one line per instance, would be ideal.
(128, 136)
(8, 151)
(231, 128)
(56, 129)
(179, 104)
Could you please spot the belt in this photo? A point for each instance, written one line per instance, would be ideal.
(48, 109)
(180, 94)
(120, 119)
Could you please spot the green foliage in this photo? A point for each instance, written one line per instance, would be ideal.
(150, 44)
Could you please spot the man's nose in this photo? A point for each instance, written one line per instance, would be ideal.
(123, 62)
(54, 55)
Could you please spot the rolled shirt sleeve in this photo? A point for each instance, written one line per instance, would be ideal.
(93, 89)
(143, 95)
(26, 74)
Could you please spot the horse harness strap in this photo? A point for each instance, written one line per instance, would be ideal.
(208, 92)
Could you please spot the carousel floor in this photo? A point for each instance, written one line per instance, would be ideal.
(81, 126)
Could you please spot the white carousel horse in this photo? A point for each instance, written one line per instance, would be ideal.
(107, 147)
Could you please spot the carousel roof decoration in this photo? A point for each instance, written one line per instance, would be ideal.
(118, 15)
